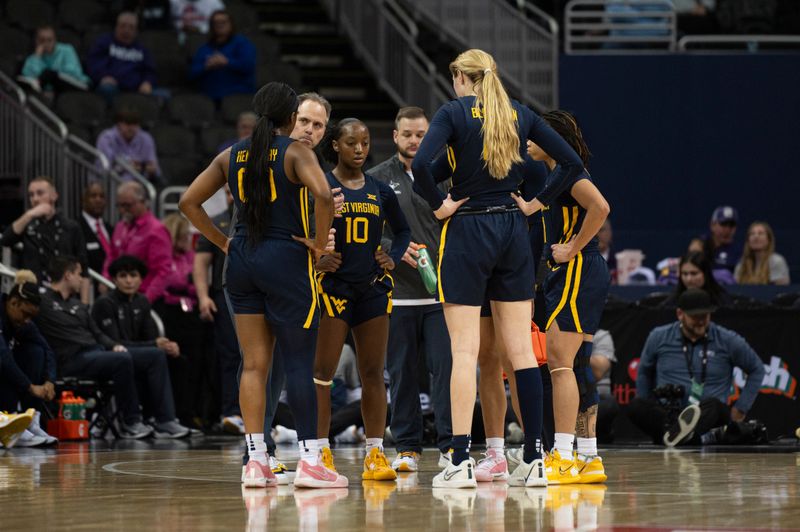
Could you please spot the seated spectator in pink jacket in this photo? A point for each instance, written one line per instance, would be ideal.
(141, 234)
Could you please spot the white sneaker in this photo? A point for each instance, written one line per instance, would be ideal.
(233, 425)
(407, 461)
(515, 434)
(514, 458)
(282, 473)
(348, 435)
(28, 439)
(457, 476)
(37, 430)
(529, 475)
(445, 459)
(281, 434)
(12, 426)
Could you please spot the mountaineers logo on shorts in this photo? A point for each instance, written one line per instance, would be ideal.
(340, 304)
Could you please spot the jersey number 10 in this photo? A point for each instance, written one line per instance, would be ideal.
(357, 230)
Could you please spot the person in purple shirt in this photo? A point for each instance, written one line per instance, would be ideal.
(127, 141)
(118, 62)
(226, 64)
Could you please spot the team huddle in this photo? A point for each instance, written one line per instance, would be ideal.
(311, 257)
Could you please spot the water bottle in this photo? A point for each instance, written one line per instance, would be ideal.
(426, 270)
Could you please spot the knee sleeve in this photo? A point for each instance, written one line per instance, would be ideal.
(587, 385)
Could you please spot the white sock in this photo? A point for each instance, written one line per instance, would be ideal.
(497, 444)
(309, 451)
(256, 448)
(564, 444)
(374, 442)
(587, 446)
(324, 443)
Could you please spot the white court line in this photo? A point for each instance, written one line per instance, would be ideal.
(113, 468)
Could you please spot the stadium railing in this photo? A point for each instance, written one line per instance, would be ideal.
(34, 142)
(524, 46)
(620, 26)
(383, 37)
(750, 43)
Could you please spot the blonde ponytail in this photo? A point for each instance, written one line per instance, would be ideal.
(501, 144)
(24, 276)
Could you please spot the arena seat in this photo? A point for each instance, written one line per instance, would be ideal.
(212, 137)
(84, 108)
(82, 15)
(194, 110)
(174, 141)
(147, 106)
(28, 14)
(235, 104)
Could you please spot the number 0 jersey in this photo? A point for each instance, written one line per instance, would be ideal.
(289, 215)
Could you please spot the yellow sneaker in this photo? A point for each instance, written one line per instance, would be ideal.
(376, 466)
(327, 459)
(591, 471)
(560, 470)
(12, 426)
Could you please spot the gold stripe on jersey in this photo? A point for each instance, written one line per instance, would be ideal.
(441, 256)
(312, 280)
(564, 295)
(572, 224)
(572, 302)
(451, 158)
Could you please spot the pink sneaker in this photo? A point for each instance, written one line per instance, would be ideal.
(317, 476)
(492, 467)
(258, 475)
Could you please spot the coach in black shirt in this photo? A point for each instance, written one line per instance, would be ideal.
(46, 233)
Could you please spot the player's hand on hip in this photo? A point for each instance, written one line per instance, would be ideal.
(411, 254)
(329, 263)
(384, 260)
(527, 207)
(449, 207)
(564, 252)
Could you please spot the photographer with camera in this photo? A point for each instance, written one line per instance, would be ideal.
(685, 376)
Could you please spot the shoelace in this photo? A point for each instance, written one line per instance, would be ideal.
(380, 460)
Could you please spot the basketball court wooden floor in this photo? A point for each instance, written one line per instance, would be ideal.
(195, 486)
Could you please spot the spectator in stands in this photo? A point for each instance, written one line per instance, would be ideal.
(124, 316)
(718, 244)
(118, 62)
(29, 369)
(194, 375)
(694, 271)
(127, 142)
(760, 264)
(226, 64)
(209, 259)
(45, 233)
(192, 16)
(245, 124)
(601, 362)
(153, 14)
(142, 235)
(53, 66)
(96, 231)
(698, 356)
(605, 240)
(82, 350)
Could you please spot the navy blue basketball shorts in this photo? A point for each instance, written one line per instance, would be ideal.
(355, 303)
(575, 293)
(485, 257)
(274, 278)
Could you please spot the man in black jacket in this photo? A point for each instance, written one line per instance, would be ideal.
(124, 316)
(46, 233)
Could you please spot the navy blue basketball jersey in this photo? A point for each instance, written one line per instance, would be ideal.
(289, 214)
(563, 218)
(359, 230)
(456, 129)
